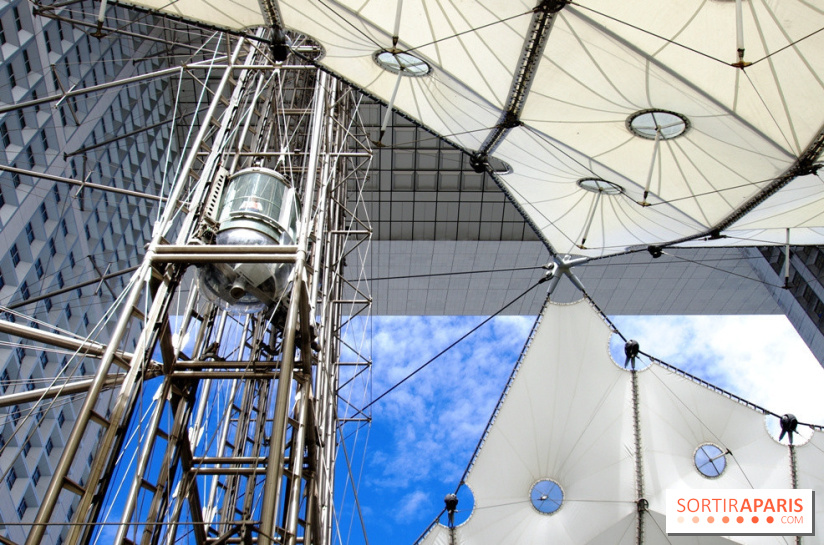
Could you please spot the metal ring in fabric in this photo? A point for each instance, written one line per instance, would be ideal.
(399, 62)
(546, 496)
(666, 124)
(599, 185)
(710, 460)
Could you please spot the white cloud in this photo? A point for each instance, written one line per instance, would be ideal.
(760, 358)
(410, 505)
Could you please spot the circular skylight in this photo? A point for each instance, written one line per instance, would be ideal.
(547, 496)
(710, 460)
(648, 123)
(399, 62)
(597, 185)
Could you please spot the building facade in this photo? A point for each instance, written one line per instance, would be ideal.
(65, 247)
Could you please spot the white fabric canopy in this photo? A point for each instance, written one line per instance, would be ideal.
(568, 416)
(602, 62)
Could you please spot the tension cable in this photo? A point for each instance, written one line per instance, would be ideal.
(445, 350)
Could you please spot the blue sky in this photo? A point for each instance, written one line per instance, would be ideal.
(423, 434)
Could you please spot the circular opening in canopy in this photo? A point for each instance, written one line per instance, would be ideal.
(597, 185)
(619, 356)
(307, 46)
(546, 496)
(466, 506)
(399, 62)
(801, 434)
(648, 123)
(710, 460)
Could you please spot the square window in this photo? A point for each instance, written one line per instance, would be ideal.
(18, 23)
(11, 478)
(4, 134)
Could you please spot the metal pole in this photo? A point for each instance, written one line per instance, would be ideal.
(68, 388)
(90, 185)
(143, 461)
(274, 469)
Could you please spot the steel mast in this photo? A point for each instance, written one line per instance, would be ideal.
(236, 422)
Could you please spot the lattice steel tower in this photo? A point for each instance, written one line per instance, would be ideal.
(224, 421)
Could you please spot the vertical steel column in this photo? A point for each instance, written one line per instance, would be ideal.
(274, 469)
(304, 392)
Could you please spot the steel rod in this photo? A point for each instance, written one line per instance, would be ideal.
(222, 258)
(90, 185)
(225, 248)
(67, 388)
(274, 471)
(143, 460)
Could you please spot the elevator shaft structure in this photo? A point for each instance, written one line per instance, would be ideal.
(223, 428)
